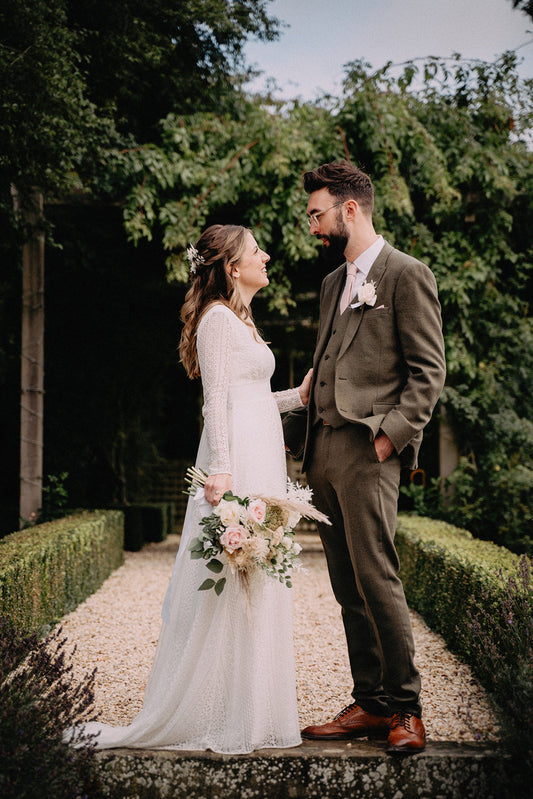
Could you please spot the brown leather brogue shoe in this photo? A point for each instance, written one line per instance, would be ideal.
(352, 722)
(407, 734)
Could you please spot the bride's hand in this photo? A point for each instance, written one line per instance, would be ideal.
(216, 486)
(305, 387)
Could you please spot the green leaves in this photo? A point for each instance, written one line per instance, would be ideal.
(218, 585)
(448, 145)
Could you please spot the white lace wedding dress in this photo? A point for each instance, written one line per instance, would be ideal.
(223, 677)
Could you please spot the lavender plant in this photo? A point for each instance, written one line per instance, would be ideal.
(39, 698)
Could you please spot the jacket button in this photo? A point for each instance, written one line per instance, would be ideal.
(322, 383)
(326, 357)
(320, 410)
(334, 331)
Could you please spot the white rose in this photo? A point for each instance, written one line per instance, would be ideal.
(286, 541)
(276, 535)
(297, 548)
(229, 511)
(367, 293)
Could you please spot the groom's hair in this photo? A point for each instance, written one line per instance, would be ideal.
(343, 180)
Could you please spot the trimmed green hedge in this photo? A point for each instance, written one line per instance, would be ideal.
(47, 570)
(446, 571)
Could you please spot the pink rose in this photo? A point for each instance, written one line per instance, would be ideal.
(257, 511)
(233, 537)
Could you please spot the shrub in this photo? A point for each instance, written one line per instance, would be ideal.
(445, 570)
(501, 636)
(39, 698)
(47, 570)
(480, 598)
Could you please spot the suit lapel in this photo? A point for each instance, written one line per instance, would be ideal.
(377, 269)
(376, 273)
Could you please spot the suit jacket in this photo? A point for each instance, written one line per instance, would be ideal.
(391, 366)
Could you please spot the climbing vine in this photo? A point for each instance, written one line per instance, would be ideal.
(448, 145)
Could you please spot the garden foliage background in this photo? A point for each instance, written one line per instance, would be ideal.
(130, 182)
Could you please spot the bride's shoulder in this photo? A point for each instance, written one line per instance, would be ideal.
(217, 312)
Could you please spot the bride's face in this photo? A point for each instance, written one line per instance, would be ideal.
(250, 272)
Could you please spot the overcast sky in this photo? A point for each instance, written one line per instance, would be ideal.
(324, 35)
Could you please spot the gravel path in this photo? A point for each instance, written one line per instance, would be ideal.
(116, 630)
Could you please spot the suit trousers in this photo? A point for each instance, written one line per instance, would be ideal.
(360, 496)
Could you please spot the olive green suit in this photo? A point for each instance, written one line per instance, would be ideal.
(388, 373)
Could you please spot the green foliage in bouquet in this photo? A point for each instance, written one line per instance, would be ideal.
(251, 533)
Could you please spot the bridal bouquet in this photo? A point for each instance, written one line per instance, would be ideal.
(251, 533)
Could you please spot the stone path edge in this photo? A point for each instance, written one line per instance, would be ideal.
(314, 770)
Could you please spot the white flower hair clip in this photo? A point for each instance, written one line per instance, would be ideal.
(366, 295)
(194, 258)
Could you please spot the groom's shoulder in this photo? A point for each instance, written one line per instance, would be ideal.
(398, 260)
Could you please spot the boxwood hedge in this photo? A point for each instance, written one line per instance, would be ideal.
(47, 570)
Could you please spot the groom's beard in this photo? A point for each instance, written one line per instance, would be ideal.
(333, 253)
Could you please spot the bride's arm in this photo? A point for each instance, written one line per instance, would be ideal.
(214, 350)
(294, 398)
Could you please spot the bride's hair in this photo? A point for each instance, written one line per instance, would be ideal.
(218, 246)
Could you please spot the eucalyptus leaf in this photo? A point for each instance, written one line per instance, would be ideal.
(207, 584)
(196, 554)
(215, 566)
(219, 586)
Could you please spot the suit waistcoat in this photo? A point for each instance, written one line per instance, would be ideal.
(324, 391)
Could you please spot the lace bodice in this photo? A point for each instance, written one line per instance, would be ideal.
(232, 360)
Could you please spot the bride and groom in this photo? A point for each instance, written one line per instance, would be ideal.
(223, 676)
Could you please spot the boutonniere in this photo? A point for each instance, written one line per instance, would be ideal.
(366, 295)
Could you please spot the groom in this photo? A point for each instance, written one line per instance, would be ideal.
(378, 371)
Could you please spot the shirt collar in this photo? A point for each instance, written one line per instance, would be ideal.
(364, 261)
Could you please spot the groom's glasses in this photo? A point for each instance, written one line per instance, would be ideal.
(314, 217)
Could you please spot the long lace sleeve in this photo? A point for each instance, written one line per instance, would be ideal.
(288, 400)
(214, 350)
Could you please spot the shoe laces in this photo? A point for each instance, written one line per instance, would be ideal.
(345, 711)
(401, 719)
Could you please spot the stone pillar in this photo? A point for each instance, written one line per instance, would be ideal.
(32, 363)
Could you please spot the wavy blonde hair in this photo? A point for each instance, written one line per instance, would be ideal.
(220, 246)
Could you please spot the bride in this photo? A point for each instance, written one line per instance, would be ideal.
(223, 676)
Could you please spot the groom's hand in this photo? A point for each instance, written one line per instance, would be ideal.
(383, 446)
(305, 387)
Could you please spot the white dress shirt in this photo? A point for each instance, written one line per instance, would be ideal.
(364, 263)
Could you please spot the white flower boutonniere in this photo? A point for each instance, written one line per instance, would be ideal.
(366, 295)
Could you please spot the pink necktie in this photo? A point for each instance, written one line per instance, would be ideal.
(351, 271)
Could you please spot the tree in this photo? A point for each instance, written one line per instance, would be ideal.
(146, 58)
(447, 147)
(48, 128)
(76, 78)
(461, 148)
(45, 132)
(524, 5)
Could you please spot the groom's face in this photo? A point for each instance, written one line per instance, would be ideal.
(328, 226)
